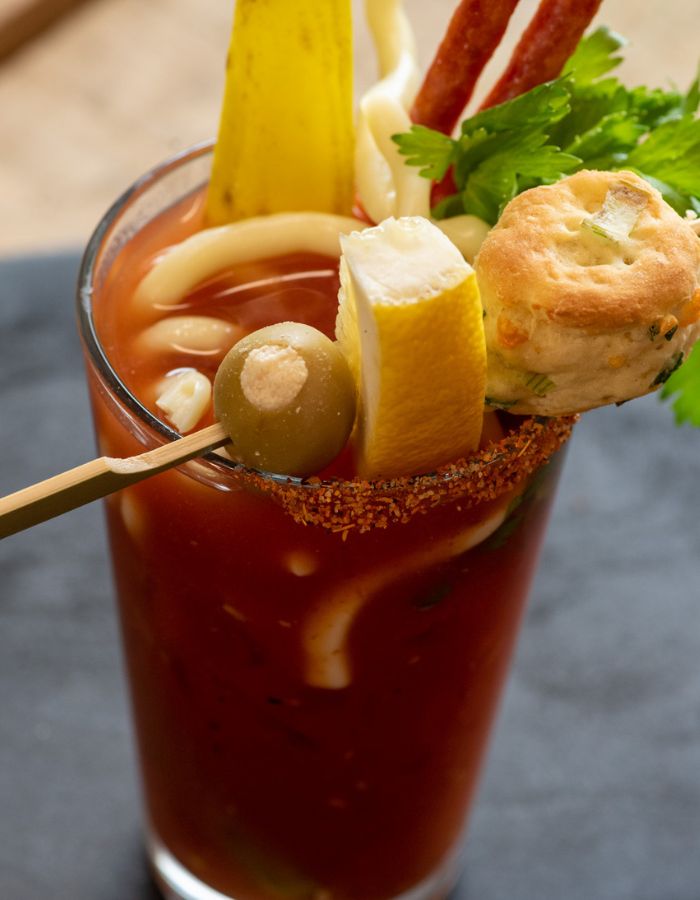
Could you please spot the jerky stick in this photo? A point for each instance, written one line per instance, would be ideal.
(547, 43)
(474, 32)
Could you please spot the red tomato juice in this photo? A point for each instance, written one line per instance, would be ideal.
(259, 778)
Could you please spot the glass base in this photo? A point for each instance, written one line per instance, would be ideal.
(175, 882)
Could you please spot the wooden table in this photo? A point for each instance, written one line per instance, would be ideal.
(120, 84)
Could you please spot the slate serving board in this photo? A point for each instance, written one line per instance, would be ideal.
(593, 784)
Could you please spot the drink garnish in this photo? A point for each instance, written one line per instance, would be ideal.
(415, 345)
(287, 399)
(387, 187)
(203, 255)
(474, 32)
(619, 213)
(579, 121)
(584, 310)
(683, 386)
(410, 322)
(500, 150)
(593, 118)
(327, 628)
(544, 47)
(184, 396)
(285, 138)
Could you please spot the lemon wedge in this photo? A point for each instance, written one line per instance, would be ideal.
(410, 323)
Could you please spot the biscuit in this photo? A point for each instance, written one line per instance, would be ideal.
(591, 292)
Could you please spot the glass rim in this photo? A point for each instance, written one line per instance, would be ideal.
(88, 331)
(85, 289)
(541, 435)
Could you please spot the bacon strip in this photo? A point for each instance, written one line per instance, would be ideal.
(546, 44)
(474, 32)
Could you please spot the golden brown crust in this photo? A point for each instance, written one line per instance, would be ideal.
(539, 257)
(582, 313)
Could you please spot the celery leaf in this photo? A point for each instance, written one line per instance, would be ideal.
(684, 387)
(581, 120)
(595, 55)
(431, 150)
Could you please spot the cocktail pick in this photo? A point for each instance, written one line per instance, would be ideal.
(285, 138)
(99, 478)
(285, 399)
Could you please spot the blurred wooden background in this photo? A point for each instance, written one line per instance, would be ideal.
(116, 85)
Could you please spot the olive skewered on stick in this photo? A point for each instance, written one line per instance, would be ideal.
(286, 394)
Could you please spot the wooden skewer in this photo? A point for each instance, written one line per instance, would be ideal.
(98, 478)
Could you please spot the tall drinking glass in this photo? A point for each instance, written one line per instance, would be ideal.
(314, 666)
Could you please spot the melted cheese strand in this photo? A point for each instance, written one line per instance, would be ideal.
(387, 186)
(205, 254)
(393, 40)
(325, 638)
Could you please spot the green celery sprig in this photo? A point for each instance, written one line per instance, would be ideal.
(585, 119)
(500, 150)
(684, 387)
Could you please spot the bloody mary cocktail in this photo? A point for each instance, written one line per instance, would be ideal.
(314, 666)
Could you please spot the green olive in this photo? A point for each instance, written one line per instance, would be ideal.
(286, 397)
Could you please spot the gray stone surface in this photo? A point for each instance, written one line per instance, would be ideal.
(592, 791)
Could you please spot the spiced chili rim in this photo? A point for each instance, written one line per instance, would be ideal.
(356, 504)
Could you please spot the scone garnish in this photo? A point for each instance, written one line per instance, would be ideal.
(576, 319)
